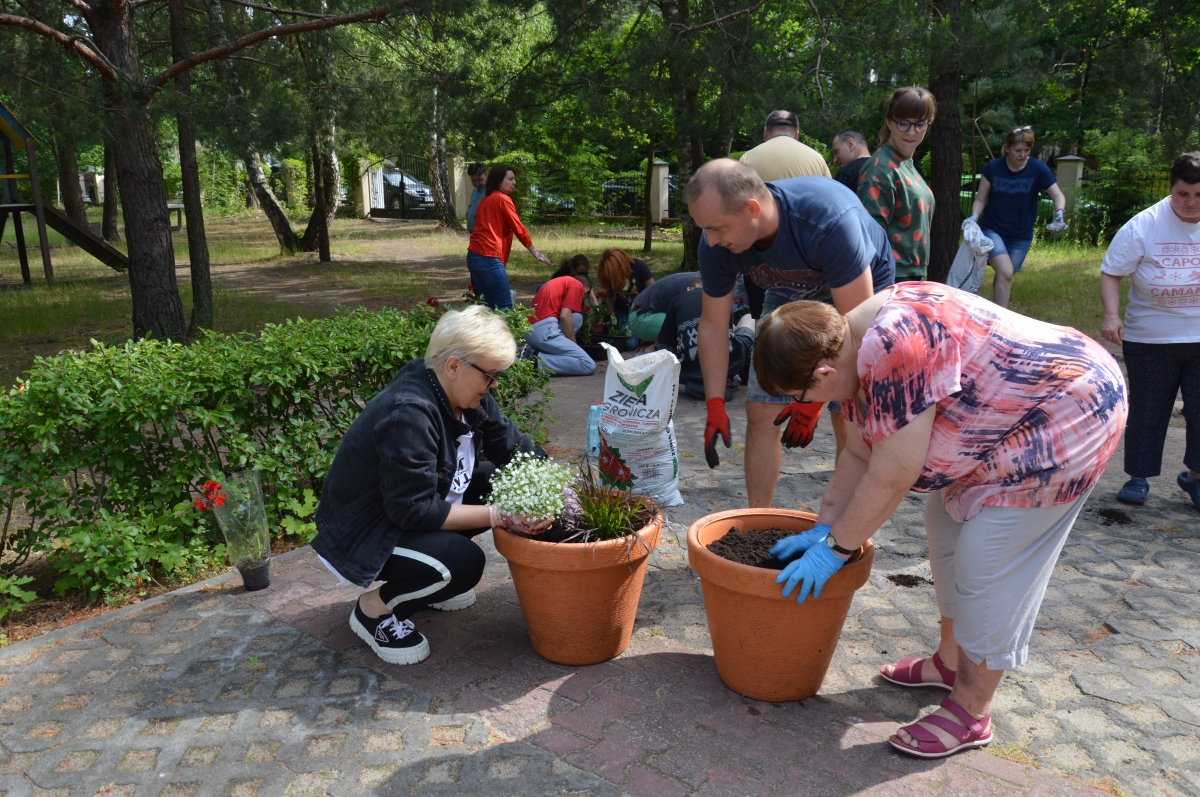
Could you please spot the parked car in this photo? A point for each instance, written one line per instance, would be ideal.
(400, 187)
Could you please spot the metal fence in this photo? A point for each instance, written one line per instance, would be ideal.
(406, 192)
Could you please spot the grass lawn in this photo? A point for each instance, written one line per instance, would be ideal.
(1060, 283)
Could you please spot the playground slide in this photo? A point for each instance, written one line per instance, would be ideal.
(96, 247)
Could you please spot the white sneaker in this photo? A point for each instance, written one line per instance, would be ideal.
(457, 602)
(394, 641)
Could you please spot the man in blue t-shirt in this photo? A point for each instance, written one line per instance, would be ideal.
(477, 172)
(800, 238)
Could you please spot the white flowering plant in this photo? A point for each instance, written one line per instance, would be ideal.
(531, 492)
(530, 488)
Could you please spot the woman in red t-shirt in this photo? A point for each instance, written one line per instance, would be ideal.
(496, 222)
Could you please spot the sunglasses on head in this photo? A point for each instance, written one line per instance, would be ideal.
(1025, 129)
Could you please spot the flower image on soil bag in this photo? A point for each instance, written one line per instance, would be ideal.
(637, 436)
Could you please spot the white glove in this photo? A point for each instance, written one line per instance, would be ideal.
(1058, 224)
(972, 219)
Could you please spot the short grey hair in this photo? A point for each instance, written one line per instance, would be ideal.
(852, 135)
(473, 334)
(733, 180)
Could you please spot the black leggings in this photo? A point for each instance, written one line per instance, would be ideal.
(1157, 373)
(432, 566)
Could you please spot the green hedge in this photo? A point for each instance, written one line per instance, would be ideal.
(102, 452)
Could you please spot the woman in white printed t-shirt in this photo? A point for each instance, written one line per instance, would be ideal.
(1160, 336)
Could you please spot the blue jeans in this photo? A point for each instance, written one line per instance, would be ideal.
(491, 280)
(556, 352)
(1016, 250)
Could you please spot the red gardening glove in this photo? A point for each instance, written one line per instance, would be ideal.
(801, 422)
(718, 425)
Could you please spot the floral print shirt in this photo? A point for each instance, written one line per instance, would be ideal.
(1028, 413)
(893, 191)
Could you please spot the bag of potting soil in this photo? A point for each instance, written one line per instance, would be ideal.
(637, 437)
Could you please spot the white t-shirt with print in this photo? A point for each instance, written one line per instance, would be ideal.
(462, 470)
(1162, 252)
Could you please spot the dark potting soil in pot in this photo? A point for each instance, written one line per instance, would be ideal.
(559, 533)
(750, 548)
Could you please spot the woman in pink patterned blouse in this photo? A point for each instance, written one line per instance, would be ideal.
(1006, 420)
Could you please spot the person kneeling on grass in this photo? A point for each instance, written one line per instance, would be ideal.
(1007, 421)
(404, 495)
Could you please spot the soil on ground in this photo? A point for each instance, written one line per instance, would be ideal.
(908, 580)
(750, 547)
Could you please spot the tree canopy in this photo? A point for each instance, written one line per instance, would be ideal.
(572, 92)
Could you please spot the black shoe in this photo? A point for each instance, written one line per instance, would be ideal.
(394, 641)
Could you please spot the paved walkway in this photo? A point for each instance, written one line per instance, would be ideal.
(220, 692)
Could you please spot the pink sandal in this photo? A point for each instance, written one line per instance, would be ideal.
(907, 672)
(970, 734)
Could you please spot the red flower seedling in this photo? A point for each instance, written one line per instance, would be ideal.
(212, 496)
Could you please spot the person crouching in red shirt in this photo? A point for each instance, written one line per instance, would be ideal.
(558, 313)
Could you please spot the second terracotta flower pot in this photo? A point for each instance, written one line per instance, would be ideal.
(580, 600)
(766, 646)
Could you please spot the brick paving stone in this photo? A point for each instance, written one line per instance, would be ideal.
(221, 692)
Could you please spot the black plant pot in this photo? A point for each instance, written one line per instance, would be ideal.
(618, 342)
(257, 575)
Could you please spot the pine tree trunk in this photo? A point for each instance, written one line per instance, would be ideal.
(690, 147)
(689, 143)
(157, 308)
(725, 119)
(108, 227)
(68, 181)
(319, 218)
(202, 298)
(946, 151)
(439, 173)
(289, 241)
(329, 178)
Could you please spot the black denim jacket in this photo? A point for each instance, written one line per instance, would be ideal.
(393, 470)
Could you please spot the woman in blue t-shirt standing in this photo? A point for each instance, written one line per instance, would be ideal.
(1010, 189)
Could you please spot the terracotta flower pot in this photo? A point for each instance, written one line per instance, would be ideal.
(579, 600)
(766, 646)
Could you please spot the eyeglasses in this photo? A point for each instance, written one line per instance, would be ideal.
(1025, 129)
(491, 377)
(904, 125)
(811, 375)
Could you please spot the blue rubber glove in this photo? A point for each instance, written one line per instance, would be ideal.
(817, 566)
(793, 546)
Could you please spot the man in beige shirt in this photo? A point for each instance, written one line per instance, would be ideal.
(781, 154)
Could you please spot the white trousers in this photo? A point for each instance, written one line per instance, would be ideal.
(991, 573)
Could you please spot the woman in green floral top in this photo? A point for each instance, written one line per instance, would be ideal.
(891, 188)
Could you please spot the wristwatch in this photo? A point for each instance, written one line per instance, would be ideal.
(835, 547)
